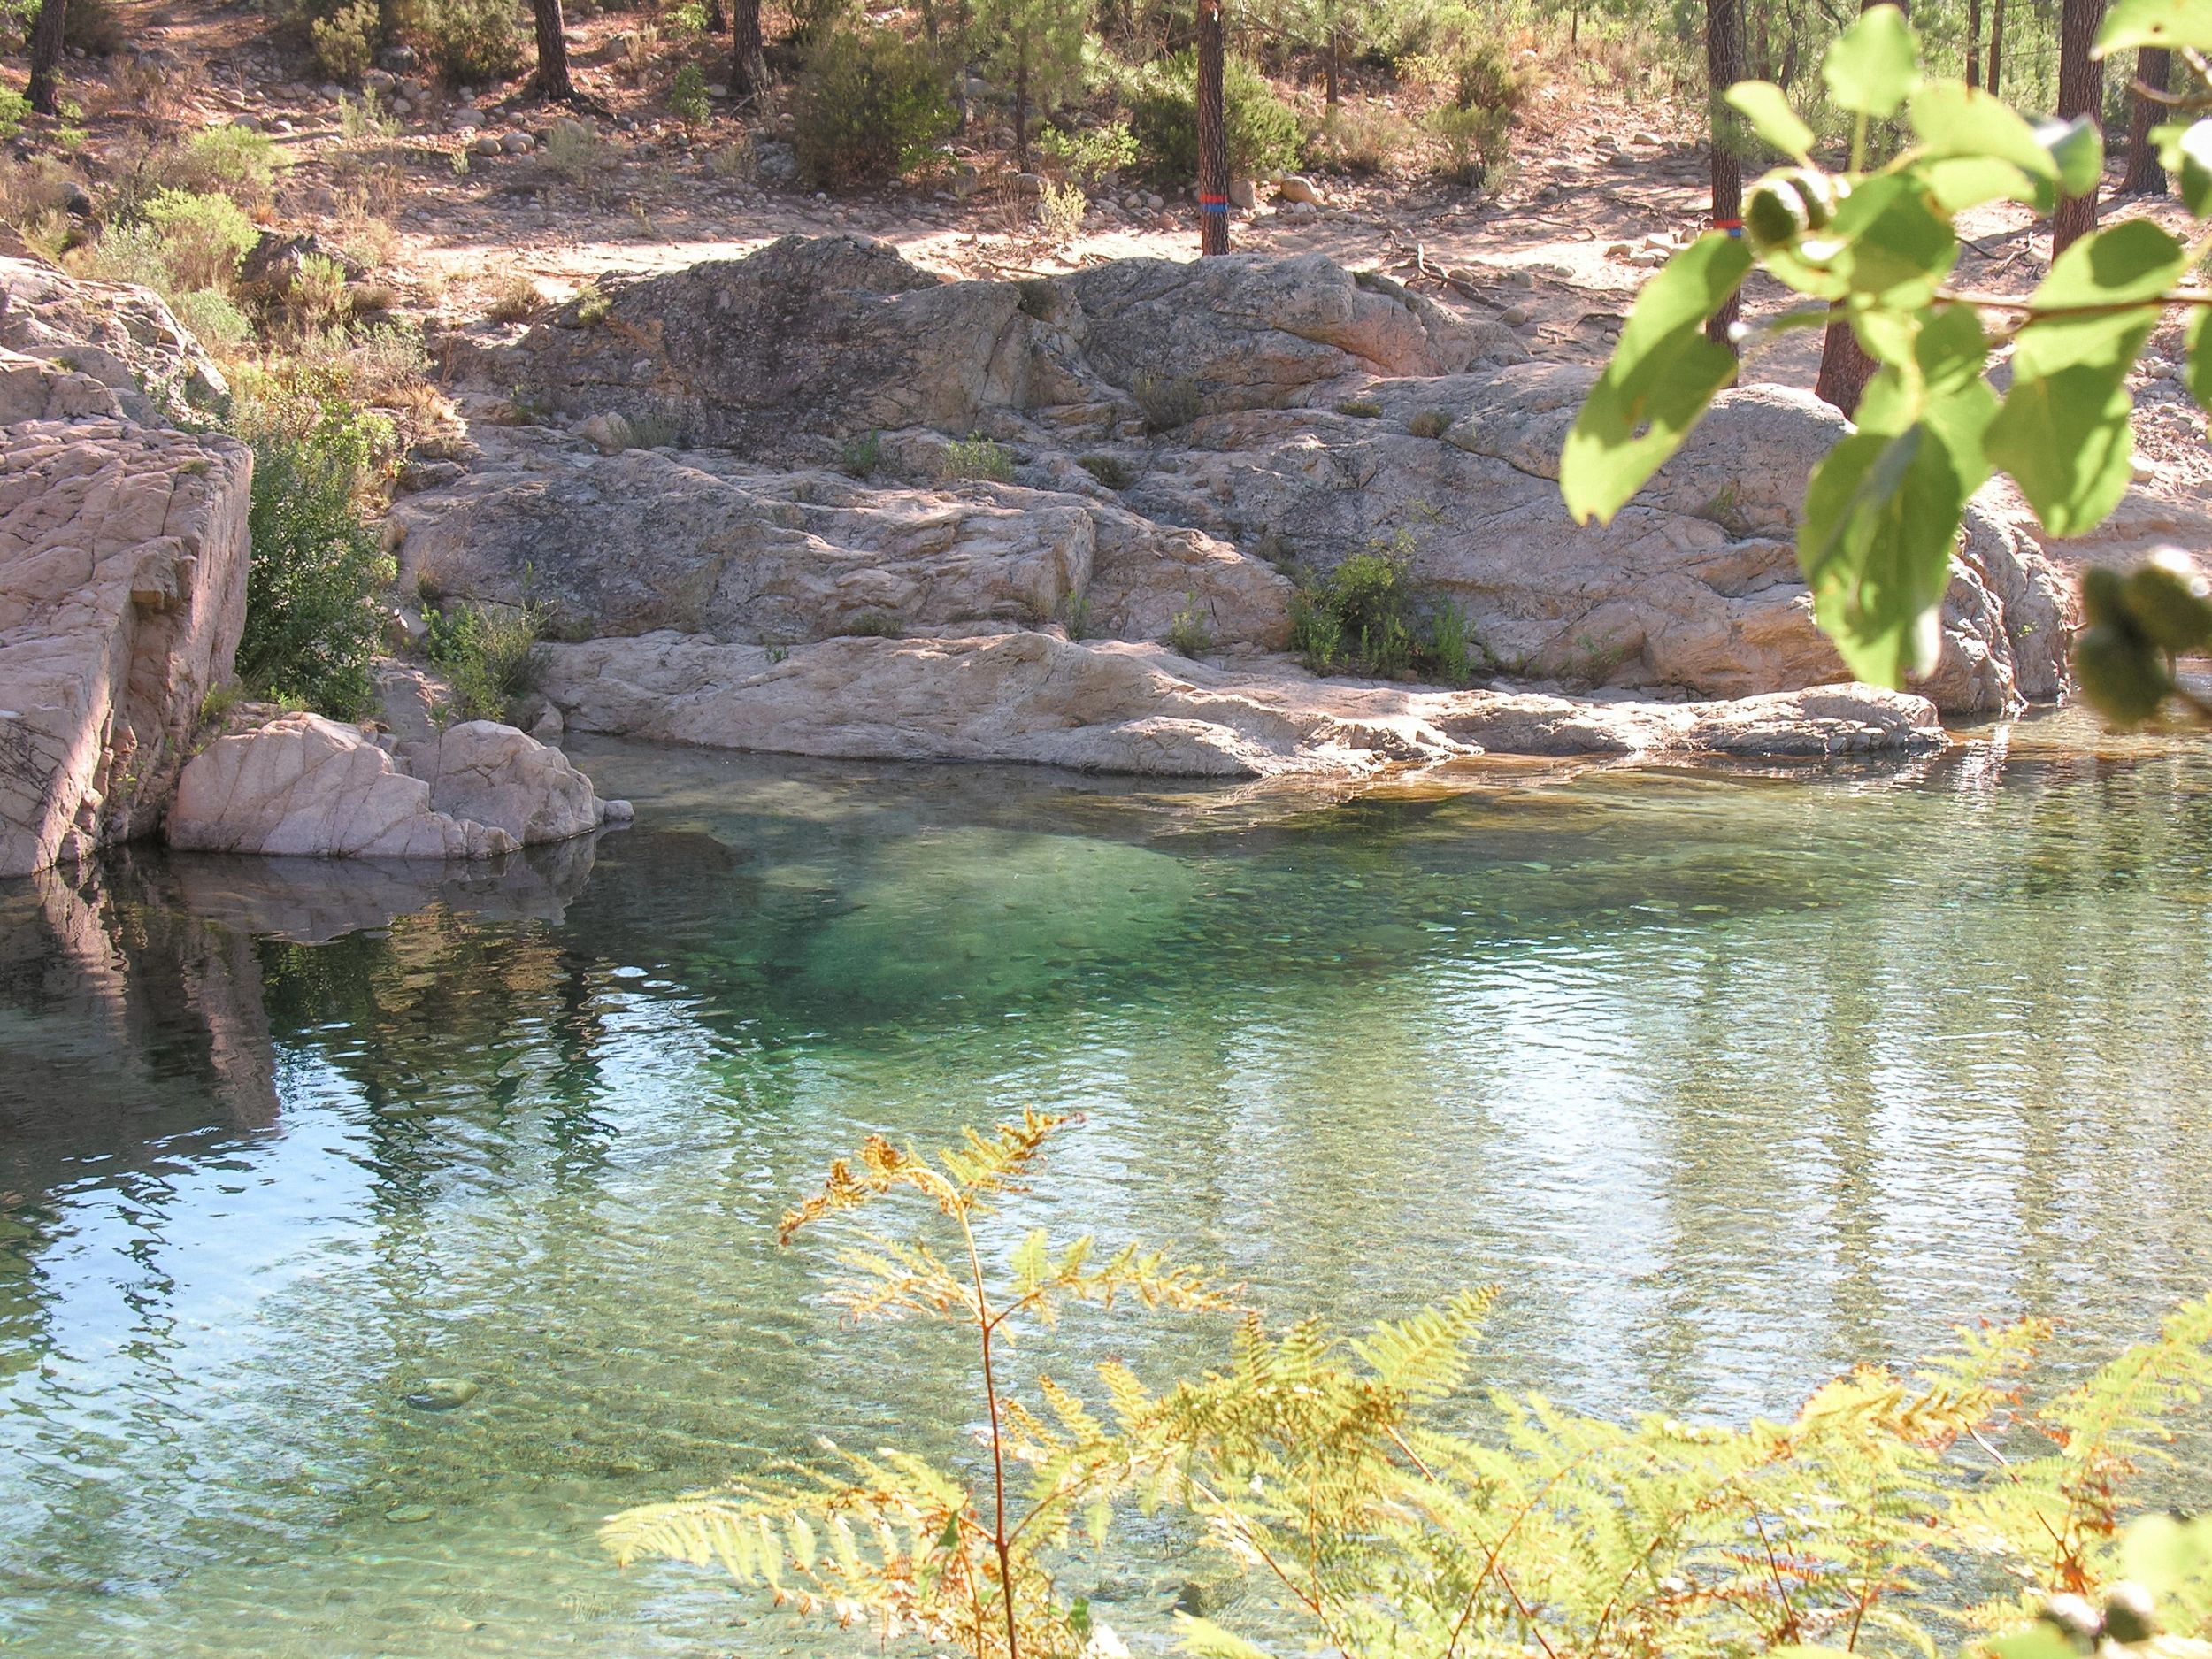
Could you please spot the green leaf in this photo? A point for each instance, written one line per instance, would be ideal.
(1993, 150)
(1875, 64)
(2065, 438)
(2039, 1640)
(1881, 517)
(2186, 153)
(1897, 250)
(1767, 107)
(1664, 373)
(2164, 1554)
(2156, 23)
(2076, 149)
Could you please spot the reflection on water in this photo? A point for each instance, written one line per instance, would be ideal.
(1730, 1081)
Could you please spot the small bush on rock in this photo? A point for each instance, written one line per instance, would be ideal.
(1265, 132)
(1168, 401)
(1429, 423)
(1189, 632)
(868, 107)
(491, 655)
(687, 98)
(976, 456)
(214, 321)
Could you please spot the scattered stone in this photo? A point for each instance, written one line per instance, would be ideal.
(519, 143)
(484, 144)
(609, 434)
(1243, 194)
(1513, 316)
(407, 1513)
(443, 1394)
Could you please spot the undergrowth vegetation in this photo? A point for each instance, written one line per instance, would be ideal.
(1399, 1513)
(491, 654)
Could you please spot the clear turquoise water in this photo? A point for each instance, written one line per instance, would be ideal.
(1729, 1080)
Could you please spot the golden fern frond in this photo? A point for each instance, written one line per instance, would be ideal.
(985, 1166)
(888, 1276)
(1425, 1357)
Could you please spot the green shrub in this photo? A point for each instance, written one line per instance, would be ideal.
(1088, 154)
(1108, 470)
(213, 320)
(863, 455)
(1429, 423)
(1474, 141)
(1359, 615)
(203, 237)
(687, 98)
(574, 151)
(1363, 136)
(491, 655)
(873, 625)
(1189, 634)
(976, 457)
(125, 253)
(1360, 409)
(868, 107)
(1162, 99)
(365, 117)
(345, 41)
(92, 26)
(225, 161)
(15, 109)
(469, 42)
(1168, 401)
(311, 623)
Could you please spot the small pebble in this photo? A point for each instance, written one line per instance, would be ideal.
(443, 1394)
(409, 1513)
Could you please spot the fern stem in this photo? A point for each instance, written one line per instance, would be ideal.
(985, 1325)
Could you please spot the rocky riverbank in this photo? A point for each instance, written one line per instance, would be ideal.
(821, 501)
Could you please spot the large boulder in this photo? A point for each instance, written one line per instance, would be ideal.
(698, 543)
(481, 771)
(809, 341)
(302, 785)
(123, 554)
(1692, 588)
(1113, 706)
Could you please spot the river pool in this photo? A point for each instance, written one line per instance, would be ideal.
(1728, 1079)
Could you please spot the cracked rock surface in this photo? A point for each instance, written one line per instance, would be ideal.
(820, 556)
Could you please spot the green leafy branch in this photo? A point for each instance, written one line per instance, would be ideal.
(1884, 510)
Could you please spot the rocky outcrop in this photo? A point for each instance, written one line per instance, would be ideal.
(302, 785)
(122, 592)
(123, 336)
(699, 544)
(1180, 439)
(808, 342)
(1113, 706)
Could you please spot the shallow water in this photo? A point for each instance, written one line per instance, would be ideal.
(1729, 1080)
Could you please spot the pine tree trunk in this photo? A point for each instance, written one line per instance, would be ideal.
(1845, 366)
(2080, 92)
(716, 18)
(1973, 42)
(1021, 105)
(2153, 66)
(749, 57)
(1213, 133)
(1723, 67)
(1996, 47)
(1329, 73)
(553, 79)
(46, 42)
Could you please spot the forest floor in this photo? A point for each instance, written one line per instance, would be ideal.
(1601, 186)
